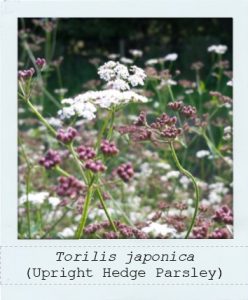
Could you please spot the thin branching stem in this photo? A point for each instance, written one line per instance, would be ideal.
(196, 188)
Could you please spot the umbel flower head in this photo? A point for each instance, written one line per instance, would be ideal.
(120, 79)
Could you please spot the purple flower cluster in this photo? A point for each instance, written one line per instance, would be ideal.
(69, 187)
(219, 233)
(164, 120)
(177, 105)
(222, 98)
(86, 153)
(125, 171)
(189, 111)
(141, 121)
(110, 235)
(123, 230)
(40, 62)
(26, 74)
(95, 166)
(109, 148)
(200, 232)
(223, 214)
(186, 110)
(51, 159)
(66, 136)
(171, 132)
(136, 132)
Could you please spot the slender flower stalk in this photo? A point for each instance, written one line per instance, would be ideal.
(104, 127)
(197, 192)
(105, 208)
(28, 175)
(27, 201)
(177, 114)
(112, 118)
(78, 163)
(41, 118)
(83, 220)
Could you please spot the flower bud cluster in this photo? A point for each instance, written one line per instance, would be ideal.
(222, 98)
(124, 230)
(223, 214)
(177, 105)
(66, 136)
(125, 171)
(164, 120)
(200, 232)
(108, 148)
(171, 132)
(219, 233)
(51, 159)
(69, 187)
(40, 62)
(85, 153)
(141, 121)
(188, 111)
(26, 74)
(95, 166)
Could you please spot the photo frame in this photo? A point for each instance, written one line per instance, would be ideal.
(23, 259)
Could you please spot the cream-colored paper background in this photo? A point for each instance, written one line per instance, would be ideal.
(10, 11)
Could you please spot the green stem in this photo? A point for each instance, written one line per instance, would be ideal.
(112, 118)
(40, 117)
(177, 114)
(27, 202)
(105, 209)
(100, 135)
(86, 205)
(62, 172)
(211, 146)
(78, 162)
(197, 192)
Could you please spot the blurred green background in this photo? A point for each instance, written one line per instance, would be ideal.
(80, 40)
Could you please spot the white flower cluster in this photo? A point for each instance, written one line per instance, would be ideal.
(216, 192)
(119, 79)
(218, 49)
(159, 229)
(126, 60)
(85, 105)
(136, 52)
(168, 57)
(39, 198)
(202, 153)
(227, 133)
